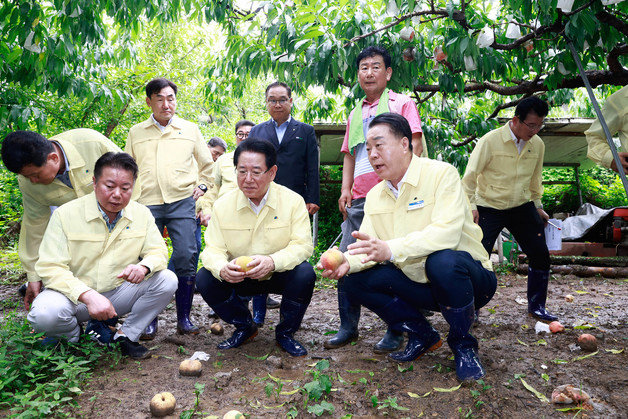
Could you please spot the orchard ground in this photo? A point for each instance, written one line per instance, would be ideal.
(260, 380)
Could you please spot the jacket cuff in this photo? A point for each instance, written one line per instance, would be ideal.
(607, 159)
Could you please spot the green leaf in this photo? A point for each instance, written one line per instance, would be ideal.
(579, 358)
(531, 389)
(447, 390)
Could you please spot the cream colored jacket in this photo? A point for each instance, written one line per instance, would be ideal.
(224, 177)
(171, 163)
(281, 230)
(615, 113)
(431, 213)
(78, 254)
(497, 176)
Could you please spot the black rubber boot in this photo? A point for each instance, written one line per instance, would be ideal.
(537, 295)
(349, 319)
(235, 312)
(183, 298)
(422, 337)
(391, 341)
(462, 343)
(259, 309)
(291, 314)
(151, 331)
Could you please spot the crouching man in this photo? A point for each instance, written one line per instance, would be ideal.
(270, 224)
(101, 257)
(418, 248)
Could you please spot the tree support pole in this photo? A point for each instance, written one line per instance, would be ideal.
(600, 117)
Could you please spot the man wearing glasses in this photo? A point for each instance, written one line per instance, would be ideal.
(269, 224)
(295, 142)
(297, 157)
(503, 183)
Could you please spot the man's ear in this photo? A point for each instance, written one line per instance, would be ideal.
(388, 73)
(406, 143)
(148, 101)
(94, 182)
(273, 172)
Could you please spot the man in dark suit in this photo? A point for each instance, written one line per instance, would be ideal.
(295, 142)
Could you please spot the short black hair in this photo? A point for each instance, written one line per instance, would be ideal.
(119, 160)
(278, 84)
(372, 51)
(256, 145)
(397, 124)
(243, 123)
(155, 86)
(217, 142)
(534, 104)
(21, 148)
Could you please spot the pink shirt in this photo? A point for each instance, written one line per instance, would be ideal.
(364, 178)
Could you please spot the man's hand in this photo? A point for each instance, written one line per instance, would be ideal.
(203, 218)
(197, 193)
(232, 273)
(375, 249)
(312, 208)
(338, 273)
(543, 215)
(344, 202)
(476, 216)
(134, 273)
(623, 157)
(260, 266)
(32, 290)
(98, 306)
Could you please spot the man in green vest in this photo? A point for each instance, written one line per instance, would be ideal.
(358, 177)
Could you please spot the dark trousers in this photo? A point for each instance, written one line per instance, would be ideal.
(180, 219)
(525, 223)
(295, 285)
(197, 237)
(455, 277)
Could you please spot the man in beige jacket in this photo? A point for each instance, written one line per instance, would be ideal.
(175, 170)
(102, 257)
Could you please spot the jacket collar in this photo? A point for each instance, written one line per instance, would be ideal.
(74, 158)
(272, 201)
(93, 213)
(175, 123)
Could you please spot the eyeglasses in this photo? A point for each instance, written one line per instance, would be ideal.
(533, 127)
(255, 174)
(241, 135)
(275, 102)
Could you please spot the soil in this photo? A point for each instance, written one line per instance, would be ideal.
(247, 380)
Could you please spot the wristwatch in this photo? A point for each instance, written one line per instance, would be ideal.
(202, 187)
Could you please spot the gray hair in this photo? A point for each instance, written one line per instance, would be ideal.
(217, 141)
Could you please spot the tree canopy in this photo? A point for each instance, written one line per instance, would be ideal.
(463, 61)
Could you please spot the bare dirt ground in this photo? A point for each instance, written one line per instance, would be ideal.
(365, 384)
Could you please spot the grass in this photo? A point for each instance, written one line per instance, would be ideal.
(37, 380)
(10, 268)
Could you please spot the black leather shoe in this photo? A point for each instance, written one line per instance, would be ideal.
(239, 337)
(131, 349)
(272, 303)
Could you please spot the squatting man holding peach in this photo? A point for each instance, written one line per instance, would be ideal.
(418, 248)
(101, 257)
(268, 226)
